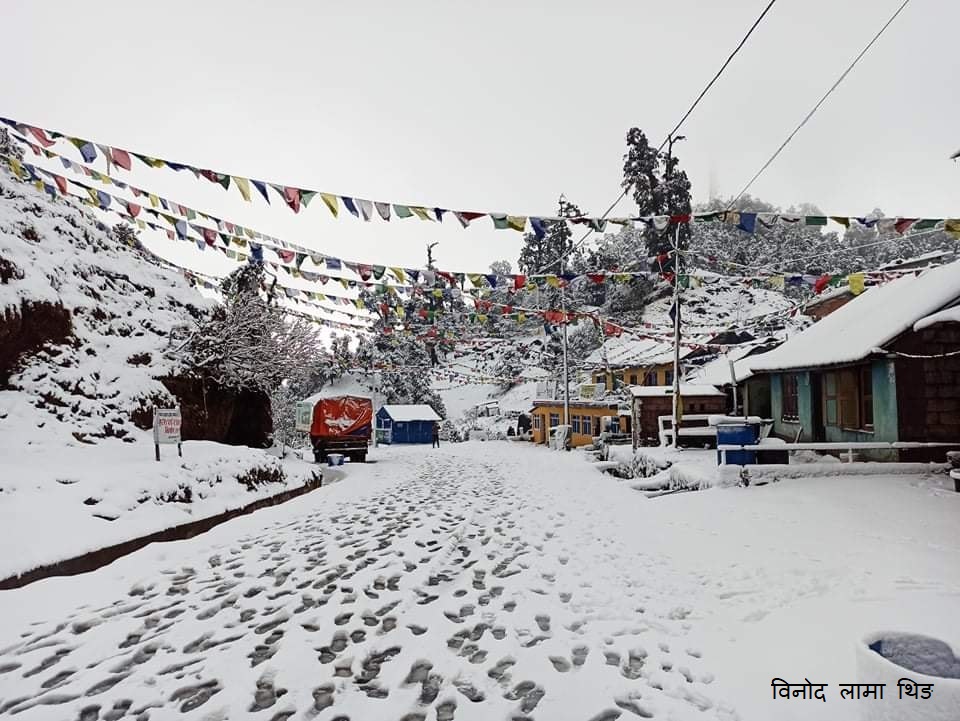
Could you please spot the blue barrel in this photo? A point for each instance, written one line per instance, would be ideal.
(737, 434)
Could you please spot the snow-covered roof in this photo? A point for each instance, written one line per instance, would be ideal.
(950, 315)
(626, 352)
(686, 389)
(419, 412)
(869, 321)
(717, 371)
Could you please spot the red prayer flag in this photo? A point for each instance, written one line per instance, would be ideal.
(519, 281)
(61, 183)
(292, 196)
(133, 209)
(675, 219)
(903, 224)
(597, 277)
(120, 157)
(822, 282)
(40, 135)
(609, 329)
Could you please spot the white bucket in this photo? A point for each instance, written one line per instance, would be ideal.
(889, 656)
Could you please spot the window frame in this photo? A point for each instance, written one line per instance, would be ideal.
(790, 398)
(575, 424)
(554, 420)
(587, 426)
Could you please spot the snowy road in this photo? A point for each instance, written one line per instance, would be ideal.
(431, 585)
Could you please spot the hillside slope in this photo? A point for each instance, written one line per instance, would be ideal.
(84, 325)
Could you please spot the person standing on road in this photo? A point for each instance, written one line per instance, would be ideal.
(436, 435)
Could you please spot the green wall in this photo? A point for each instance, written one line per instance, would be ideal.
(885, 426)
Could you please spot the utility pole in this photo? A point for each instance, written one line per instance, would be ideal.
(566, 372)
(676, 338)
(676, 305)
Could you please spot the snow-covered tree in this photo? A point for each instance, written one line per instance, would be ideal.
(8, 147)
(403, 363)
(248, 342)
(658, 186)
(550, 253)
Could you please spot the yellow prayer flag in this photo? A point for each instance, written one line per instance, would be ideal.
(154, 200)
(517, 222)
(141, 224)
(295, 273)
(521, 317)
(778, 282)
(952, 226)
(17, 168)
(856, 282)
(331, 202)
(476, 279)
(345, 283)
(359, 304)
(400, 311)
(553, 281)
(399, 274)
(420, 212)
(437, 293)
(243, 185)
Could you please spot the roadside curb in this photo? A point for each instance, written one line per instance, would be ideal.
(93, 560)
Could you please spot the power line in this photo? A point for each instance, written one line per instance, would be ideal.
(819, 103)
(675, 128)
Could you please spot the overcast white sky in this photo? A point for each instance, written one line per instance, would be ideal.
(498, 106)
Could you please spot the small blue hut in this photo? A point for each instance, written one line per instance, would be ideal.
(406, 423)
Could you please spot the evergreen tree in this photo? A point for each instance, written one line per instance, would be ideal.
(551, 252)
(658, 187)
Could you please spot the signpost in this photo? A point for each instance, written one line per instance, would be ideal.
(166, 428)
(588, 391)
(304, 417)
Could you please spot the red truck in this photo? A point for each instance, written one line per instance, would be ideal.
(340, 424)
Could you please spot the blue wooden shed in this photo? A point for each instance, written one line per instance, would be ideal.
(406, 423)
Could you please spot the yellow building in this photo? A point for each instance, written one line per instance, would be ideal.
(657, 375)
(632, 362)
(585, 419)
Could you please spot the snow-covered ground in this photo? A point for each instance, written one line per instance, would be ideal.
(57, 504)
(494, 581)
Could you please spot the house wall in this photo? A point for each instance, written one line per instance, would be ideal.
(885, 421)
(664, 373)
(928, 389)
(788, 429)
(595, 413)
(647, 412)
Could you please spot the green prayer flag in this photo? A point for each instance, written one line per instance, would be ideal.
(402, 211)
(500, 221)
(815, 220)
(306, 196)
(926, 223)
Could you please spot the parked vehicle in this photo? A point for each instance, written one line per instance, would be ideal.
(339, 424)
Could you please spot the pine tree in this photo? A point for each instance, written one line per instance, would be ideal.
(551, 252)
(658, 187)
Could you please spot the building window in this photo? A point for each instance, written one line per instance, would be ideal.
(633, 379)
(600, 379)
(848, 398)
(650, 379)
(789, 398)
(668, 378)
(575, 424)
(536, 421)
(866, 396)
(585, 426)
(615, 424)
(554, 419)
